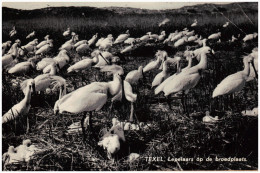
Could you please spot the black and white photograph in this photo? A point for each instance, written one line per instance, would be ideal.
(129, 86)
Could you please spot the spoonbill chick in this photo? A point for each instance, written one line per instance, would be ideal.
(128, 49)
(234, 82)
(32, 34)
(11, 156)
(22, 108)
(146, 37)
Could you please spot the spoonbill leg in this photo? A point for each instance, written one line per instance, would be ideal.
(28, 123)
(132, 112)
(168, 101)
(83, 128)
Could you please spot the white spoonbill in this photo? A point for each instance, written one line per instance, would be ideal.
(83, 64)
(215, 36)
(21, 108)
(13, 47)
(146, 37)
(234, 82)
(12, 32)
(122, 37)
(23, 67)
(128, 48)
(54, 68)
(43, 63)
(82, 49)
(106, 43)
(32, 34)
(5, 46)
(67, 32)
(129, 40)
(189, 78)
(80, 43)
(134, 76)
(44, 81)
(44, 42)
(30, 47)
(253, 65)
(99, 41)
(195, 23)
(162, 36)
(250, 37)
(181, 42)
(226, 24)
(90, 97)
(164, 74)
(45, 49)
(104, 58)
(164, 22)
(191, 33)
(153, 64)
(8, 58)
(93, 39)
(61, 59)
(69, 44)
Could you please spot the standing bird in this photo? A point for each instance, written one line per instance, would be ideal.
(195, 23)
(253, 65)
(122, 37)
(5, 46)
(30, 47)
(80, 43)
(12, 32)
(164, 74)
(21, 108)
(44, 42)
(91, 97)
(215, 36)
(106, 43)
(32, 34)
(189, 78)
(45, 49)
(146, 37)
(8, 58)
(93, 40)
(153, 64)
(99, 41)
(134, 76)
(67, 32)
(234, 82)
(162, 36)
(83, 48)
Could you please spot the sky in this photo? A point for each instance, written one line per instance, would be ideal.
(144, 5)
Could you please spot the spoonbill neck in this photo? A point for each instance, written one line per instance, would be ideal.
(246, 70)
(203, 62)
(115, 85)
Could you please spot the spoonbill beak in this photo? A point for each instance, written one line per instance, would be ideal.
(256, 75)
(212, 53)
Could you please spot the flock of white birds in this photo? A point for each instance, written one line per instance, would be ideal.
(94, 96)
